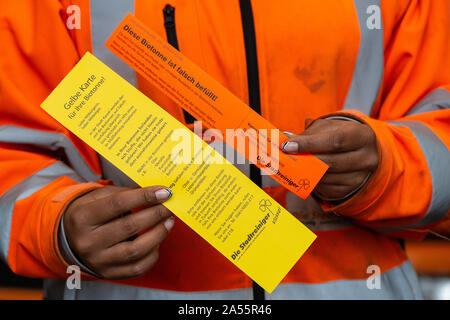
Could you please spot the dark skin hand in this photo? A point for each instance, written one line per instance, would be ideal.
(349, 148)
(99, 233)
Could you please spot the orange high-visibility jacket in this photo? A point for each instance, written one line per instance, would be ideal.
(386, 63)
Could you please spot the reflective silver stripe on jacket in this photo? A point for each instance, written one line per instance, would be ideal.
(398, 283)
(105, 17)
(369, 68)
(51, 141)
(437, 156)
(23, 190)
(79, 171)
(437, 100)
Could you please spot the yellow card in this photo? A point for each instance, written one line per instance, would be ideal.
(209, 194)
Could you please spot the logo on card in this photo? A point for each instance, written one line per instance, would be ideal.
(304, 184)
(264, 205)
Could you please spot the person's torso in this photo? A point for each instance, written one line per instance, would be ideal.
(307, 53)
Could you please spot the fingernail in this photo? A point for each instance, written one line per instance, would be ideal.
(290, 146)
(288, 133)
(169, 223)
(163, 194)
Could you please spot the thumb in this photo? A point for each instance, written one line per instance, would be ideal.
(308, 143)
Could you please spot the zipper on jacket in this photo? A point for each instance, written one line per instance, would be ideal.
(171, 33)
(252, 79)
(248, 27)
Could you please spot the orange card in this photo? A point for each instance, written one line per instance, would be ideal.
(207, 100)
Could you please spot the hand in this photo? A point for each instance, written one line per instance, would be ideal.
(97, 230)
(349, 148)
